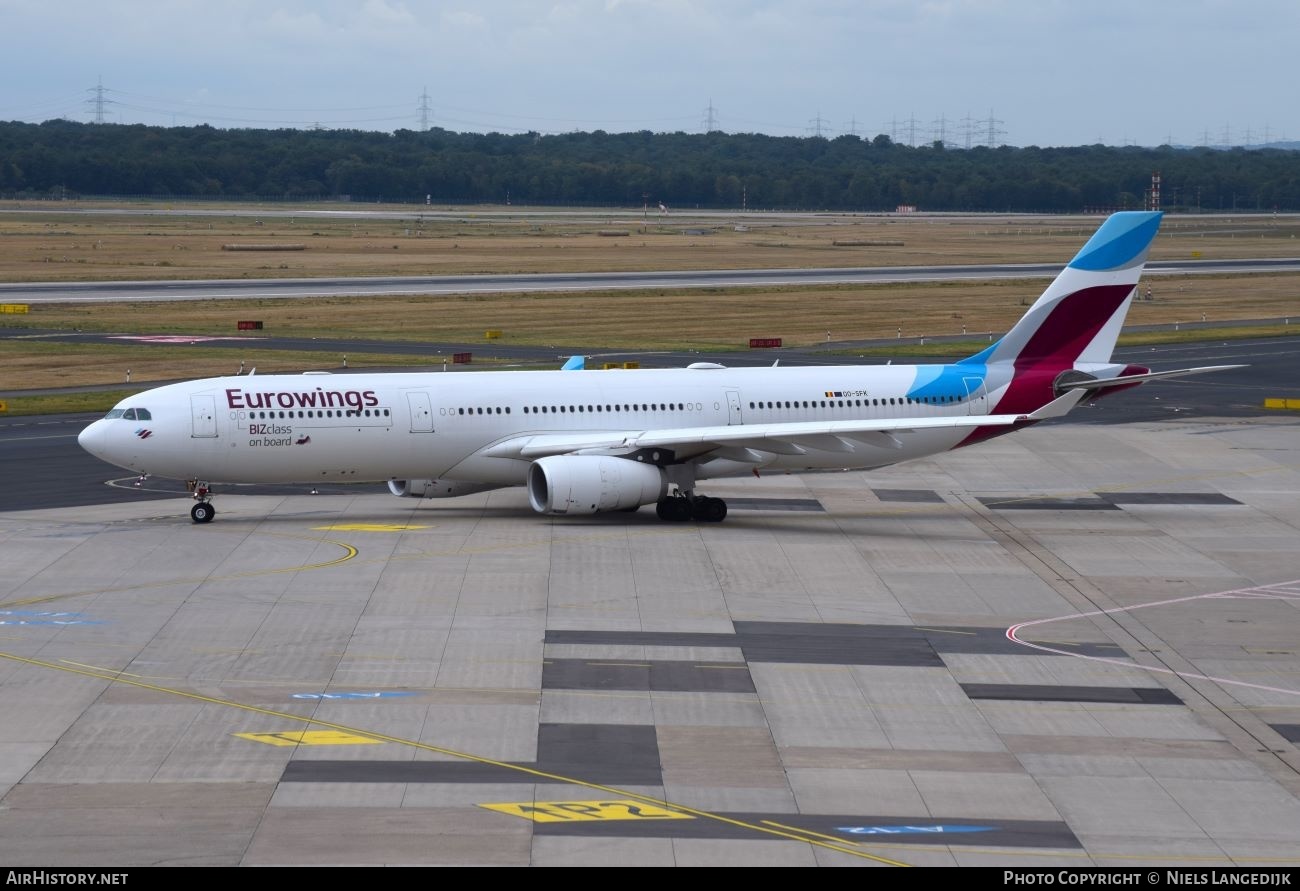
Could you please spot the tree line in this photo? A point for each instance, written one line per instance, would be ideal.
(717, 170)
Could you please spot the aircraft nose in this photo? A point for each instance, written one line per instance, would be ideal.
(92, 439)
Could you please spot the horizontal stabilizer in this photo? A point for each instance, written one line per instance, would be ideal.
(1125, 380)
(1059, 406)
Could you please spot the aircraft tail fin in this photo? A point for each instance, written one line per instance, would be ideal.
(1078, 318)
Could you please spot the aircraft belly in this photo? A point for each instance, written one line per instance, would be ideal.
(864, 456)
(482, 469)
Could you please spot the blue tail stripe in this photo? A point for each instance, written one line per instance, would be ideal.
(1121, 240)
(983, 357)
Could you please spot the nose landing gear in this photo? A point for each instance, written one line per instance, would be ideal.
(202, 511)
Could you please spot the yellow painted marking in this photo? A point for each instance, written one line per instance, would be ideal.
(101, 668)
(812, 834)
(349, 553)
(369, 527)
(4, 406)
(1282, 403)
(426, 747)
(579, 811)
(310, 738)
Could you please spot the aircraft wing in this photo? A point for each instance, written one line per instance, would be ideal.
(792, 438)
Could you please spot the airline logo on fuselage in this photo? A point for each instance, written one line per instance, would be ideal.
(317, 398)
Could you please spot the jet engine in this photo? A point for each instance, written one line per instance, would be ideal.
(589, 484)
(437, 488)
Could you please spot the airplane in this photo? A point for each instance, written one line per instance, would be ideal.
(586, 442)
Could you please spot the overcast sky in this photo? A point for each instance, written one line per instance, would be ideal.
(1047, 72)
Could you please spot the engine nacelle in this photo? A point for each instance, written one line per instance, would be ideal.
(589, 484)
(437, 488)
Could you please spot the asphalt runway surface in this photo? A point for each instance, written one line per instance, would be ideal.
(1070, 646)
(266, 289)
(44, 467)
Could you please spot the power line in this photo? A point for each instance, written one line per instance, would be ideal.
(817, 124)
(710, 117)
(940, 129)
(97, 102)
(994, 130)
(424, 109)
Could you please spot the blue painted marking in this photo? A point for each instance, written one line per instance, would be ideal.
(983, 356)
(386, 694)
(1121, 239)
(911, 830)
(944, 380)
(575, 363)
(43, 617)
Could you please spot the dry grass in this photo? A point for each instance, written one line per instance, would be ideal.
(30, 365)
(111, 246)
(689, 319)
(103, 247)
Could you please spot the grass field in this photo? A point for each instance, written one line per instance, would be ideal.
(106, 246)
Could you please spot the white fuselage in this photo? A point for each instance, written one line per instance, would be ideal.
(374, 427)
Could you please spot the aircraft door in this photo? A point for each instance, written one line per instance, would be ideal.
(421, 412)
(977, 396)
(733, 407)
(203, 409)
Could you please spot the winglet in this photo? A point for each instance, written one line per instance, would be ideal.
(575, 363)
(1058, 407)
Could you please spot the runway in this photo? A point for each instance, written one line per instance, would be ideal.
(378, 286)
(1071, 645)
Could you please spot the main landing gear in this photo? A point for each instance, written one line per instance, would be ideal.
(202, 511)
(680, 508)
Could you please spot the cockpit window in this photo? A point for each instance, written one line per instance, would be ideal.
(114, 413)
(142, 414)
(130, 414)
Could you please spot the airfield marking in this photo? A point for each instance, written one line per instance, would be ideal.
(841, 847)
(370, 527)
(582, 811)
(349, 553)
(1279, 591)
(310, 738)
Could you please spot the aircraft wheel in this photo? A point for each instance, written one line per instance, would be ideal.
(673, 510)
(202, 512)
(708, 510)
